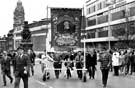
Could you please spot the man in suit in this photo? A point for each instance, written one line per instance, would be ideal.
(5, 67)
(21, 68)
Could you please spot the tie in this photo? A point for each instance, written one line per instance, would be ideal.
(20, 56)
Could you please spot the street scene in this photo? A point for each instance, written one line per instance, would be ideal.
(37, 82)
(67, 44)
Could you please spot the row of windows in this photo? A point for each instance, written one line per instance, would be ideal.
(104, 3)
(103, 31)
(97, 7)
(102, 18)
(121, 28)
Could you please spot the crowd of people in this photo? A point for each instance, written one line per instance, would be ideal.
(21, 62)
(118, 61)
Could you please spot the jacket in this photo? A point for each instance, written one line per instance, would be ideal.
(5, 64)
(32, 57)
(91, 60)
(20, 63)
(79, 61)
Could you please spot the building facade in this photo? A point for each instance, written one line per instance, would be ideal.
(10, 40)
(39, 35)
(40, 30)
(3, 44)
(105, 16)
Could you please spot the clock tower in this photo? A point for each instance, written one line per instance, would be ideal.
(19, 16)
(18, 24)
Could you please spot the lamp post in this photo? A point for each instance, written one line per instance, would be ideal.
(84, 47)
(109, 27)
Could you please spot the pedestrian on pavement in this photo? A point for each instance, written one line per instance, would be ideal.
(57, 64)
(91, 61)
(122, 61)
(45, 63)
(105, 59)
(5, 67)
(21, 67)
(79, 64)
(88, 58)
(72, 57)
(68, 65)
(133, 69)
(45, 59)
(132, 62)
(116, 62)
(127, 61)
(11, 54)
(32, 57)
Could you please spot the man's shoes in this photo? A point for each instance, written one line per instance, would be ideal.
(130, 73)
(32, 74)
(93, 77)
(4, 84)
(11, 81)
(104, 86)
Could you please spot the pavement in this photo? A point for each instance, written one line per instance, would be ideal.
(35, 81)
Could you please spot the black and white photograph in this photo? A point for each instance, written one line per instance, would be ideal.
(67, 44)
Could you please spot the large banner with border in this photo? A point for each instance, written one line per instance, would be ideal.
(66, 27)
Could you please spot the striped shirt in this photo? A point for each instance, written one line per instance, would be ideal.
(105, 59)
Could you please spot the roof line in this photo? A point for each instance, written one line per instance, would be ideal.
(64, 8)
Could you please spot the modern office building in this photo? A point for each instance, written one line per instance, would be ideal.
(103, 17)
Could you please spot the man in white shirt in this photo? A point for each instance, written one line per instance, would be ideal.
(46, 59)
(116, 62)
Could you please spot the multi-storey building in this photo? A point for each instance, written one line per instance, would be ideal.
(40, 30)
(105, 16)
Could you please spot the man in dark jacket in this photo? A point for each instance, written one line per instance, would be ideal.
(21, 67)
(5, 67)
(79, 64)
(91, 61)
(132, 62)
(57, 65)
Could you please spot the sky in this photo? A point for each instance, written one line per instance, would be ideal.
(35, 10)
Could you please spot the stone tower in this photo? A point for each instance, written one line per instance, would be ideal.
(19, 16)
(18, 24)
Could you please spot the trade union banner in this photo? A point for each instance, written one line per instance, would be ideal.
(66, 26)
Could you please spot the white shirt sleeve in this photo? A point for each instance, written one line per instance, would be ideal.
(49, 58)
